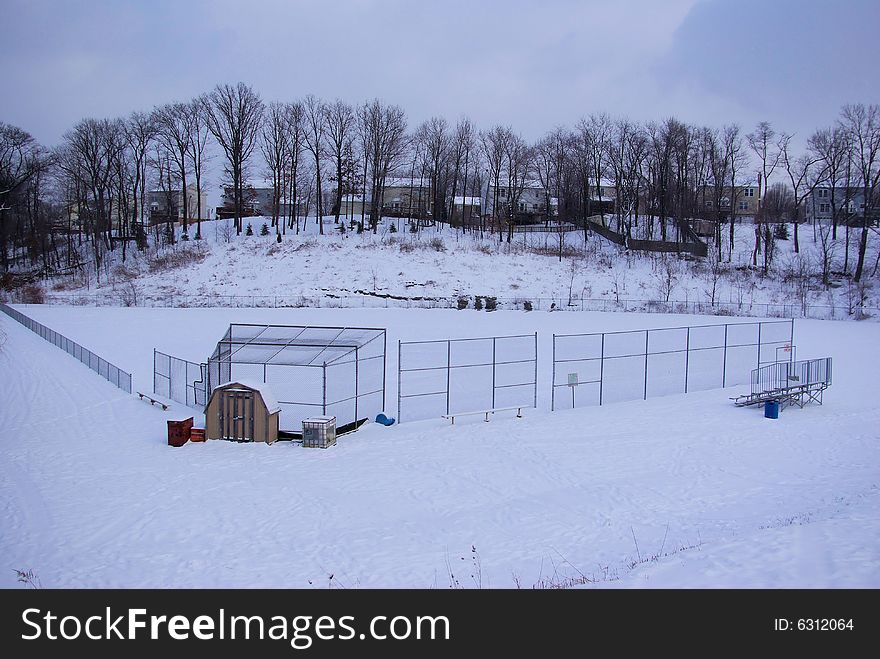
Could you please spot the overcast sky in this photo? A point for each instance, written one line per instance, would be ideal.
(531, 64)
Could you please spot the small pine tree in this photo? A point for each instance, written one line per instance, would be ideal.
(184, 236)
(392, 228)
(478, 303)
(781, 231)
(413, 228)
(264, 230)
(360, 228)
(249, 231)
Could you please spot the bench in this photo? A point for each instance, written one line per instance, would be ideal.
(518, 408)
(152, 400)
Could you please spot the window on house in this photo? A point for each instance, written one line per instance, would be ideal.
(709, 203)
(725, 202)
(522, 207)
(823, 193)
(744, 205)
(824, 208)
(749, 192)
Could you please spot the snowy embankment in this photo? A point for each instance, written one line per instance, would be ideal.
(92, 496)
(440, 263)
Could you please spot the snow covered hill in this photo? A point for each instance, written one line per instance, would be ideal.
(439, 265)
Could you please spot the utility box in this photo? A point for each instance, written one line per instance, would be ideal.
(179, 431)
(319, 432)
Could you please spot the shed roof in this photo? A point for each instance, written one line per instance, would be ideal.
(265, 392)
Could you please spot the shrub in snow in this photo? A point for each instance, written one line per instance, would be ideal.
(392, 228)
(437, 244)
(32, 294)
(413, 228)
(781, 231)
(249, 231)
(341, 228)
(264, 230)
(527, 306)
(360, 227)
(462, 303)
(478, 303)
(184, 236)
(491, 304)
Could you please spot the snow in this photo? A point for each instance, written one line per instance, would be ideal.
(91, 495)
(265, 392)
(351, 269)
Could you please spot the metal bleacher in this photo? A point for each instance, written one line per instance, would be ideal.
(790, 383)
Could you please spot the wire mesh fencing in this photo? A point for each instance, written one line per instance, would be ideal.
(113, 374)
(599, 368)
(180, 380)
(454, 376)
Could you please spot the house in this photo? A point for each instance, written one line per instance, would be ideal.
(402, 197)
(849, 202)
(167, 205)
(531, 206)
(466, 207)
(741, 201)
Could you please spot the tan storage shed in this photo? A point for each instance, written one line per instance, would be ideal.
(243, 412)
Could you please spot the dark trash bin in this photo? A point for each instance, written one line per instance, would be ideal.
(179, 431)
(771, 409)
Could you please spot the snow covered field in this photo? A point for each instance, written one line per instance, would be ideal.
(719, 496)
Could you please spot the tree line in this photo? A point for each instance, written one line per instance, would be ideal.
(64, 206)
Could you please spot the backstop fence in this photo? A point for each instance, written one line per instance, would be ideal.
(452, 376)
(113, 374)
(180, 380)
(630, 365)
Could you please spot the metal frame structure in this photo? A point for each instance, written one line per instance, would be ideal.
(451, 365)
(180, 380)
(766, 352)
(344, 357)
(790, 383)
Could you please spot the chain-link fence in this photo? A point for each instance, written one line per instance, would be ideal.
(180, 380)
(559, 303)
(99, 365)
(464, 375)
(593, 369)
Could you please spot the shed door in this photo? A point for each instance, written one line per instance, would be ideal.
(237, 415)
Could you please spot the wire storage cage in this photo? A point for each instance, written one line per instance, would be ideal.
(313, 371)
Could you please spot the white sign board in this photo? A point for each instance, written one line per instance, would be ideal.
(572, 379)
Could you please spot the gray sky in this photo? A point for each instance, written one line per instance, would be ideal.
(534, 65)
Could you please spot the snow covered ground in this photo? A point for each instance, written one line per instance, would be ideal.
(91, 495)
(348, 269)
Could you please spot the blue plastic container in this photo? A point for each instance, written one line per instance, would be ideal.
(384, 420)
(771, 409)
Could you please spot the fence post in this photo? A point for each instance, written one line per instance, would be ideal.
(724, 366)
(154, 371)
(687, 358)
(449, 373)
(493, 374)
(324, 389)
(399, 372)
(535, 394)
(759, 344)
(553, 380)
(355, 385)
(647, 334)
(384, 363)
(601, 369)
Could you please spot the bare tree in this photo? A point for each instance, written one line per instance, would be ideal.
(234, 116)
(802, 178)
(463, 146)
(21, 159)
(274, 144)
(339, 122)
(863, 125)
(316, 126)
(383, 130)
(295, 137)
(140, 131)
(175, 128)
(196, 151)
(762, 142)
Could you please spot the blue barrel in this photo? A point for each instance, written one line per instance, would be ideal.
(771, 409)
